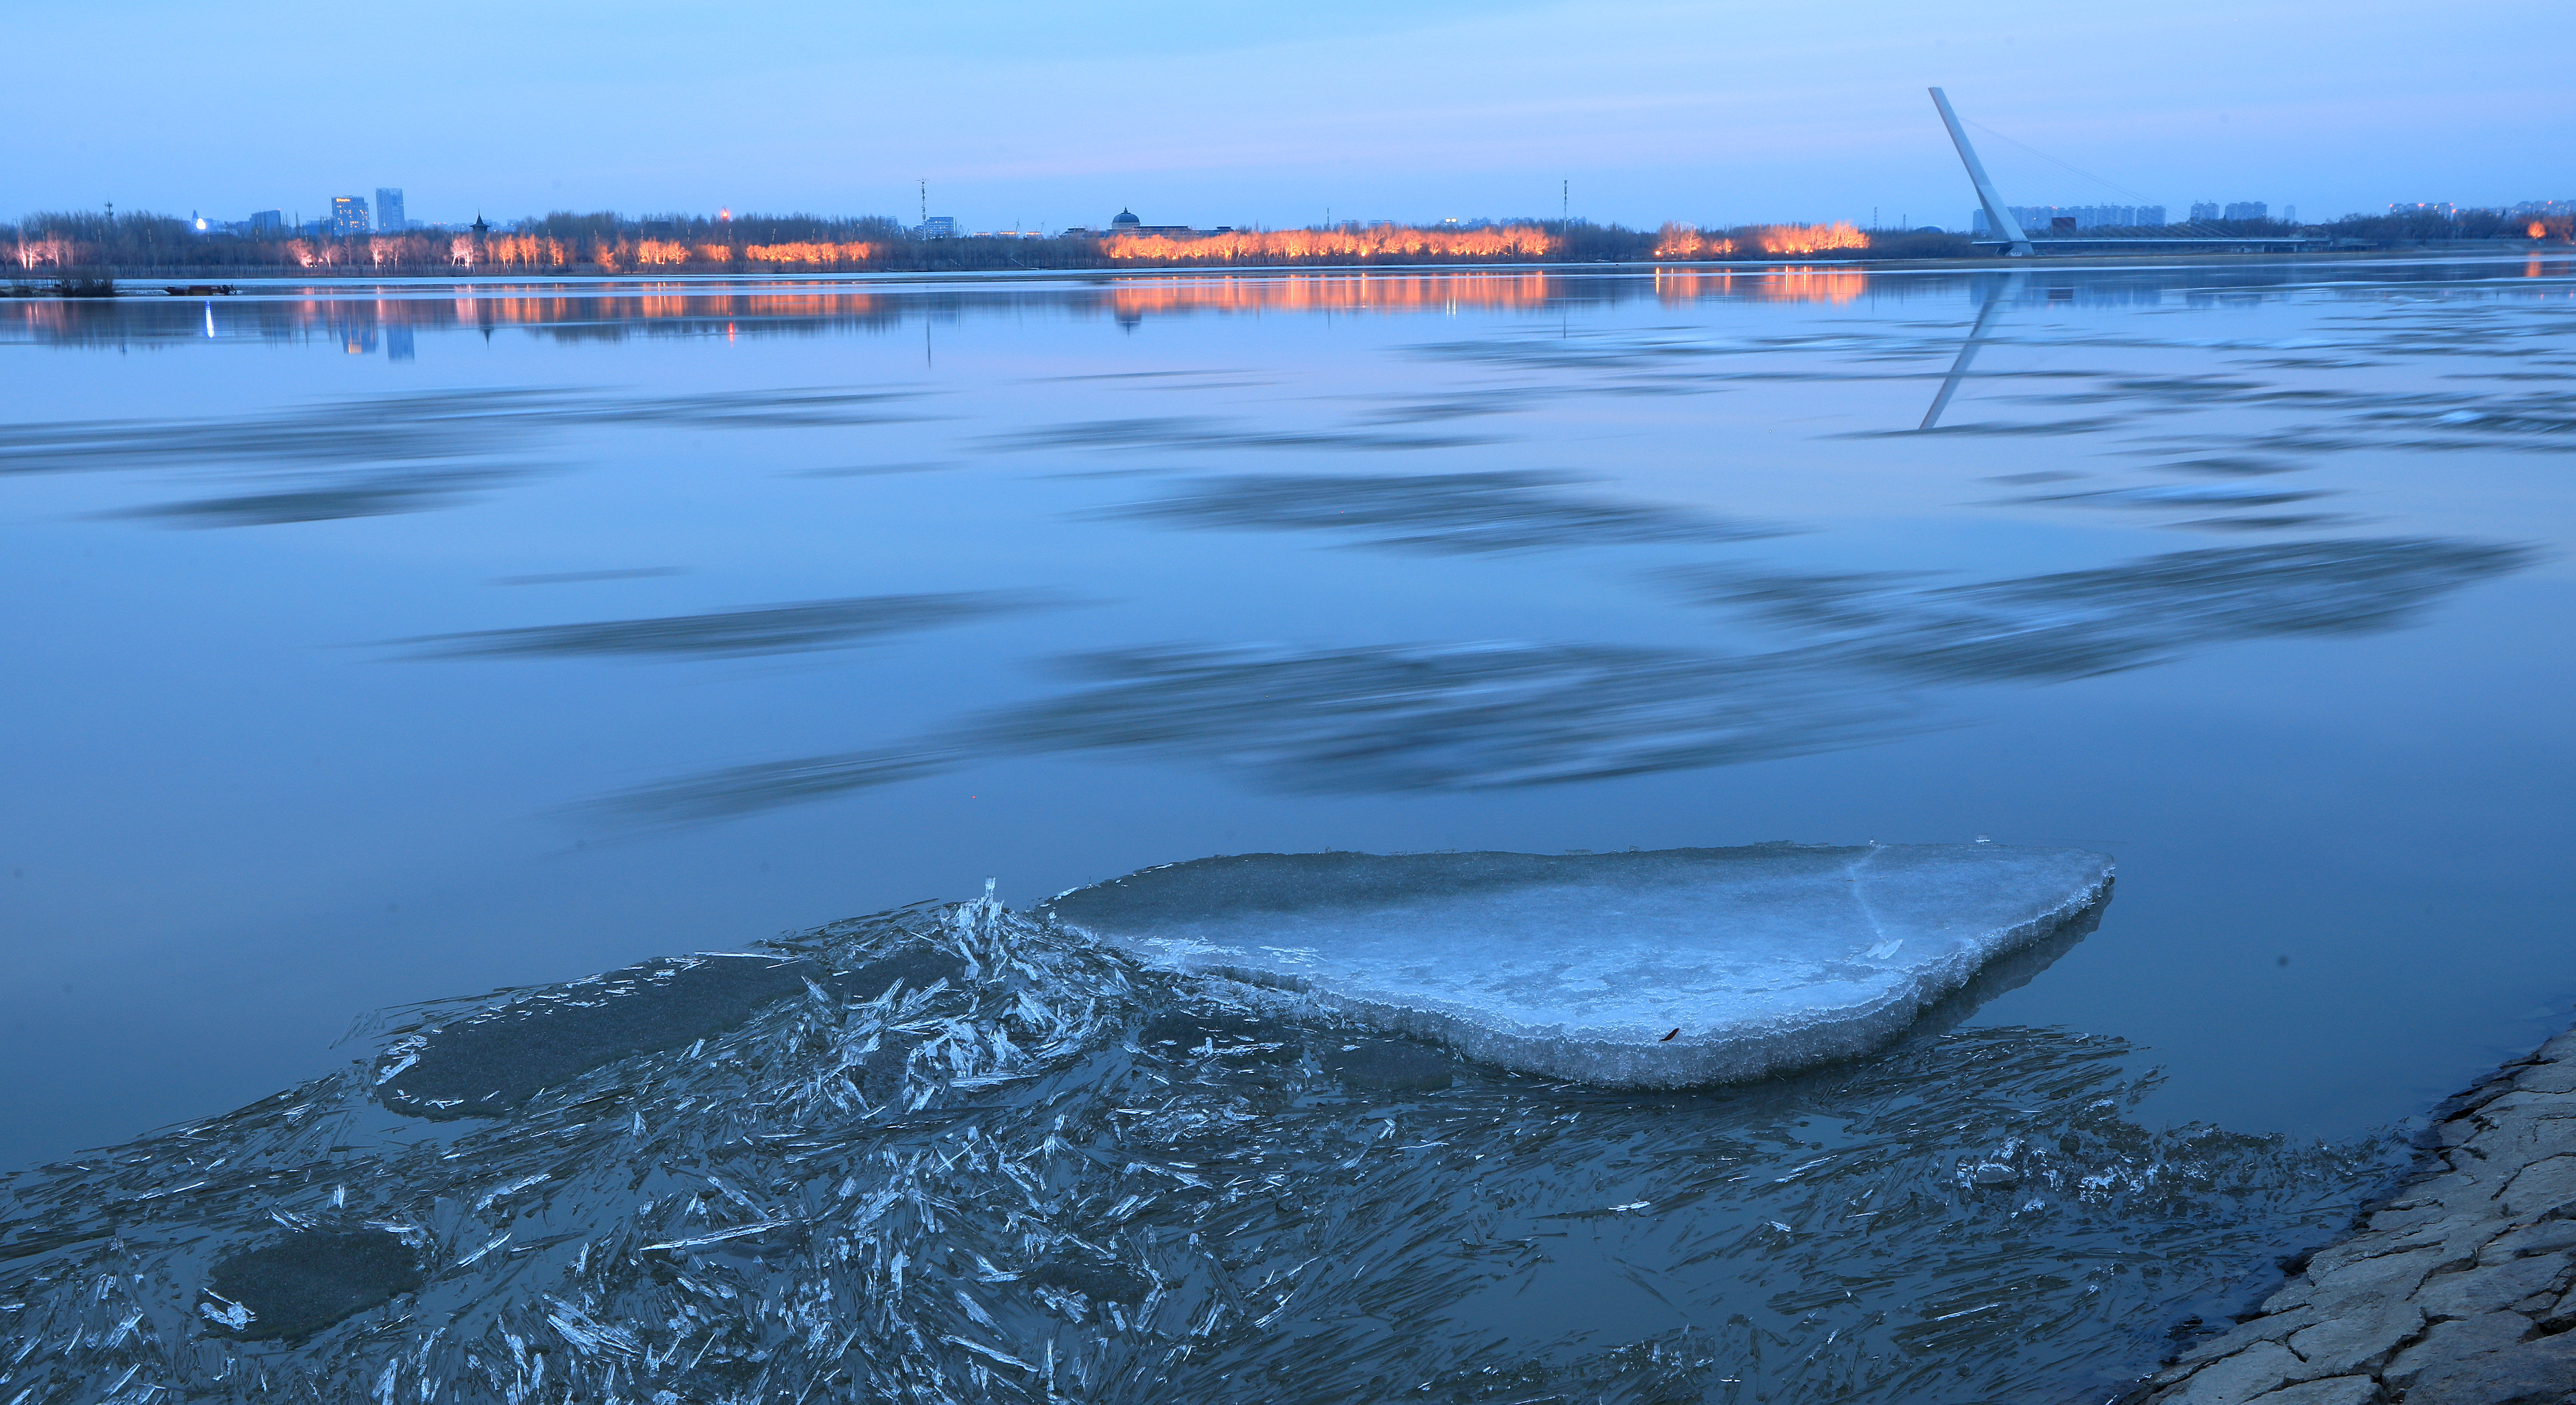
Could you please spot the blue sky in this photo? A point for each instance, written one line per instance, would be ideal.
(1053, 114)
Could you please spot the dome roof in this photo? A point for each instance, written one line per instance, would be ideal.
(1126, 217)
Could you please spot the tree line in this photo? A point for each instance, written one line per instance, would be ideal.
(56, 243)
(63, 244)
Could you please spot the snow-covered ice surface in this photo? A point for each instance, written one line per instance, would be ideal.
(1666, 969)
(1066, 1176)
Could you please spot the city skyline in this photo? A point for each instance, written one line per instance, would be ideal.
(354, 216)
(1432, 110)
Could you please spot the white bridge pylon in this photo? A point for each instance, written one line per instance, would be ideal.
(1998, 218)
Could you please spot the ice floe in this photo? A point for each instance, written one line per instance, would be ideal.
(1661, 969)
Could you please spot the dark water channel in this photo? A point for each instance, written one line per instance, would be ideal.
(375, 645)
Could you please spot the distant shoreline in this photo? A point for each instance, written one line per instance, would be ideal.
(201, 281)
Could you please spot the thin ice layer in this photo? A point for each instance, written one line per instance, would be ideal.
(491, 1062)
(298, 1285)
(1663, 969)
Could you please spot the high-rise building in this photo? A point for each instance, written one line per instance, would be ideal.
(389, 209)
(2202, 210)
(348, 216)
(2046, 217)
(2248, 210)
(265, 220)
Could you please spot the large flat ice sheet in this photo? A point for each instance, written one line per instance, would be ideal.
(1662, 969)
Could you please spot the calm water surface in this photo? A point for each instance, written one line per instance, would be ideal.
(377, 644)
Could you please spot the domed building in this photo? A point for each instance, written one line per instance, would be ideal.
(1128, 223)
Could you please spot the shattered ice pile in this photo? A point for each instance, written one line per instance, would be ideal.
(972, 1156)
(1665, 969)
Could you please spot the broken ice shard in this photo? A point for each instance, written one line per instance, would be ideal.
(1766, 958)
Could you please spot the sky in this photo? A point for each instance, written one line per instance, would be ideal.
(1039, 114)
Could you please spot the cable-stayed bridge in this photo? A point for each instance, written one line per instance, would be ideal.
(2006, 233)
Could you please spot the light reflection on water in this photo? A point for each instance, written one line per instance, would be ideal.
(853, 593)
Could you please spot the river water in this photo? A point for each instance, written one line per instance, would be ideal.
(372, 644)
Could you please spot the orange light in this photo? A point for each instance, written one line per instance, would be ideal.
(527, 251)
(1317, 292)
(1832, 285)
(1292, 245)
(38, 253)
(1680, 241)
(1810, 238)
(822, 255)
(1347, 292)
(397, 250)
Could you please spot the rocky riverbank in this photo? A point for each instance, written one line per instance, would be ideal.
(2454, 1291)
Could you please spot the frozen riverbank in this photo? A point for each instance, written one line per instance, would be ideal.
(1031, 1166)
